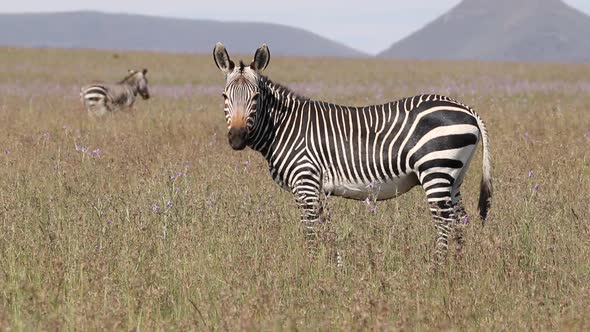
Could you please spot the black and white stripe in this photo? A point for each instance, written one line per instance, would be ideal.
(101, 99)
(382, 151)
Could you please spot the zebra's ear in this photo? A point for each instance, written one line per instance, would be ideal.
(222, 59)
(144, 71)
(261, 58)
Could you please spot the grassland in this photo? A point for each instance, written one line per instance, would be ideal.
(148, 220)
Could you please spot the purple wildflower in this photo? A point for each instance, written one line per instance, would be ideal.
(210, 202)
(156, 208)
(372, 207)
(46, 136)
(373, 210)
(531, 174)
(526, 136)
(168, 204)
(536, 187)
(80, 148)
(177, 176)
(465, 220)
(95, 153)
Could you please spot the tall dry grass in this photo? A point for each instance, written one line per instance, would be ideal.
(147, 220)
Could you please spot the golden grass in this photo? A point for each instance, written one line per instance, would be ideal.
(116, 238)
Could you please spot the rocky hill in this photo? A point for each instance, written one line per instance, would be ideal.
(506, 30)
(138, 32)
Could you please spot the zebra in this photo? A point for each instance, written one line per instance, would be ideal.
(100, 99)
(317, 149)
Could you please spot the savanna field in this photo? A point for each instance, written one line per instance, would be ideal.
(147, 220)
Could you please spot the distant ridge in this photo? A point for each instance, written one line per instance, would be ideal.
(506, 30)
(98, 30)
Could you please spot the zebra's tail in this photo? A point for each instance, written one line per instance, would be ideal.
(485, 188)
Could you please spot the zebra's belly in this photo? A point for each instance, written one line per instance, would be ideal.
(380, 190)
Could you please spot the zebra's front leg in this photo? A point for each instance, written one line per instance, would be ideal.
(307, 195)
(307, 191)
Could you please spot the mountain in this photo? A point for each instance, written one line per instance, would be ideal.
(505, 30)
(137, 32)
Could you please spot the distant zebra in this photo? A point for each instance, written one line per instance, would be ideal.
(101, 99)
(315, 147)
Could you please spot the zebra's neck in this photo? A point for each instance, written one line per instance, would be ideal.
(131, 82)
(275, 104)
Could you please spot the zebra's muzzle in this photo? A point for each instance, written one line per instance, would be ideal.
(237, 138)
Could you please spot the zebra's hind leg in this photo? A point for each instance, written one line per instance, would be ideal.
(443, 215)
(96, 107)
(461, 220)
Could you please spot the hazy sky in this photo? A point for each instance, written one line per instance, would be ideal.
(368, 25)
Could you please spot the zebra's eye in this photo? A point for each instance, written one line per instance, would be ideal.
(224, 95)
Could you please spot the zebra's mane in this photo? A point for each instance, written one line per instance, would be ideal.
(276, 88)
(128, 77)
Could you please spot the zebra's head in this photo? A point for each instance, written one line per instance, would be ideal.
(241, 92)
(138, 80)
